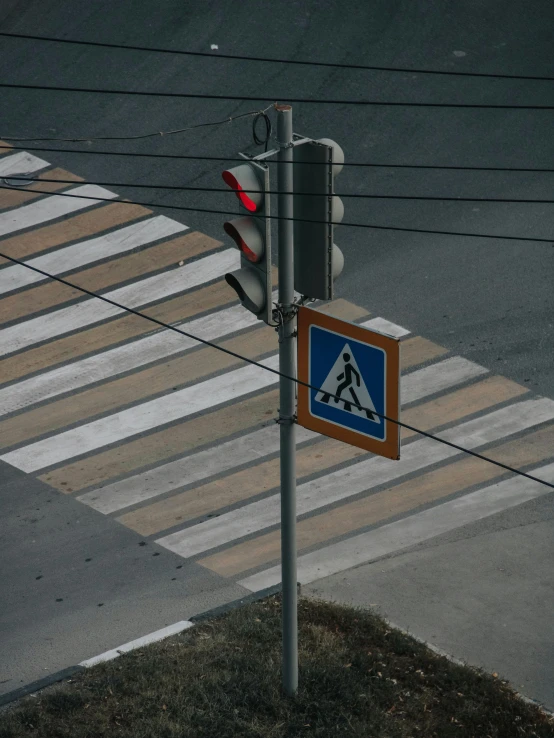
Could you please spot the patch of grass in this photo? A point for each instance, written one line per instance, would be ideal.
(222, 678)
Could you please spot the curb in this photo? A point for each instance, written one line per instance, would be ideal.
(158, 635)
(32, 687)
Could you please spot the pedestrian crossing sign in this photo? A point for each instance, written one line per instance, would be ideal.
(353, 375)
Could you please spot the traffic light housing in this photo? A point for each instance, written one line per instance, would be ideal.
(251, 234)
(317, 259)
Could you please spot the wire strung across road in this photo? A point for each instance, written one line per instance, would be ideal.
(229, 119)
(258, 364)
(279, 217)
(185, 188)
(237, 57)
(192, 157)
(258, 98)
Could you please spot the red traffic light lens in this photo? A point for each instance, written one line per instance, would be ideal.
(246, 183)
(230, 179)
(249, 254)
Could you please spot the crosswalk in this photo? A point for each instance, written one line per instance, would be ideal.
(47, 209)
(96, 249)
(178, 441)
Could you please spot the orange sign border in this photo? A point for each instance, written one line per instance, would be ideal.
(390, 447)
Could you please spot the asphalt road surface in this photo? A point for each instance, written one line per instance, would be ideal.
(490, 299)
(485, 300)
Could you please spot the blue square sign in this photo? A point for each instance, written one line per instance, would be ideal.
(349, 382)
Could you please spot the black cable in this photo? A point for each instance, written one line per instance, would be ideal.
(259, 98)
(237, 57)
(267, 161)
(253, 362)
(278, 217)
(262, 115)
(185, 188)
(230, 119)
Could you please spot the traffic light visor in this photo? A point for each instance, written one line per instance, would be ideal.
(245, 183)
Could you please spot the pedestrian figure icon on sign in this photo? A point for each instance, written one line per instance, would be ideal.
(345, 387)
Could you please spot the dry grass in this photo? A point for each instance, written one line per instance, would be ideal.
(220, 679)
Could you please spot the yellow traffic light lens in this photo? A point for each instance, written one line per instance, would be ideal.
(249, 253)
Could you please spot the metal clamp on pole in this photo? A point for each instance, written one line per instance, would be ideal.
(287, 399)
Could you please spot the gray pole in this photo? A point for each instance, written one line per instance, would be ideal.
(287, 401)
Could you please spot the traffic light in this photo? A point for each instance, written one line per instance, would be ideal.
(317, 260)
(252, 236)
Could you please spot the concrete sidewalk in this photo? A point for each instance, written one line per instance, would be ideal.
(76, 583)
(484, 594)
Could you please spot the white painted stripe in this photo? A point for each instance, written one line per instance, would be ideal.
(124, 358)
(423, 526)
(146, 640)
(381, 325)
(359, 477)
(438, 377)
(142, 292)
(121, 359)
(21, 163)
(199, 466)
(193, 468)
(51, 207)
(144, 417)
(86, 252)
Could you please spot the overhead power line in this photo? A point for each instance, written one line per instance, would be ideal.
(276, 372)
(270, 60)
(190, 157)
(360, 195)
(259, 98)
(303, 220)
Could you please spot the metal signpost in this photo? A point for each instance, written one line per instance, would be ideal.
(355, 371)
(287, 400)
